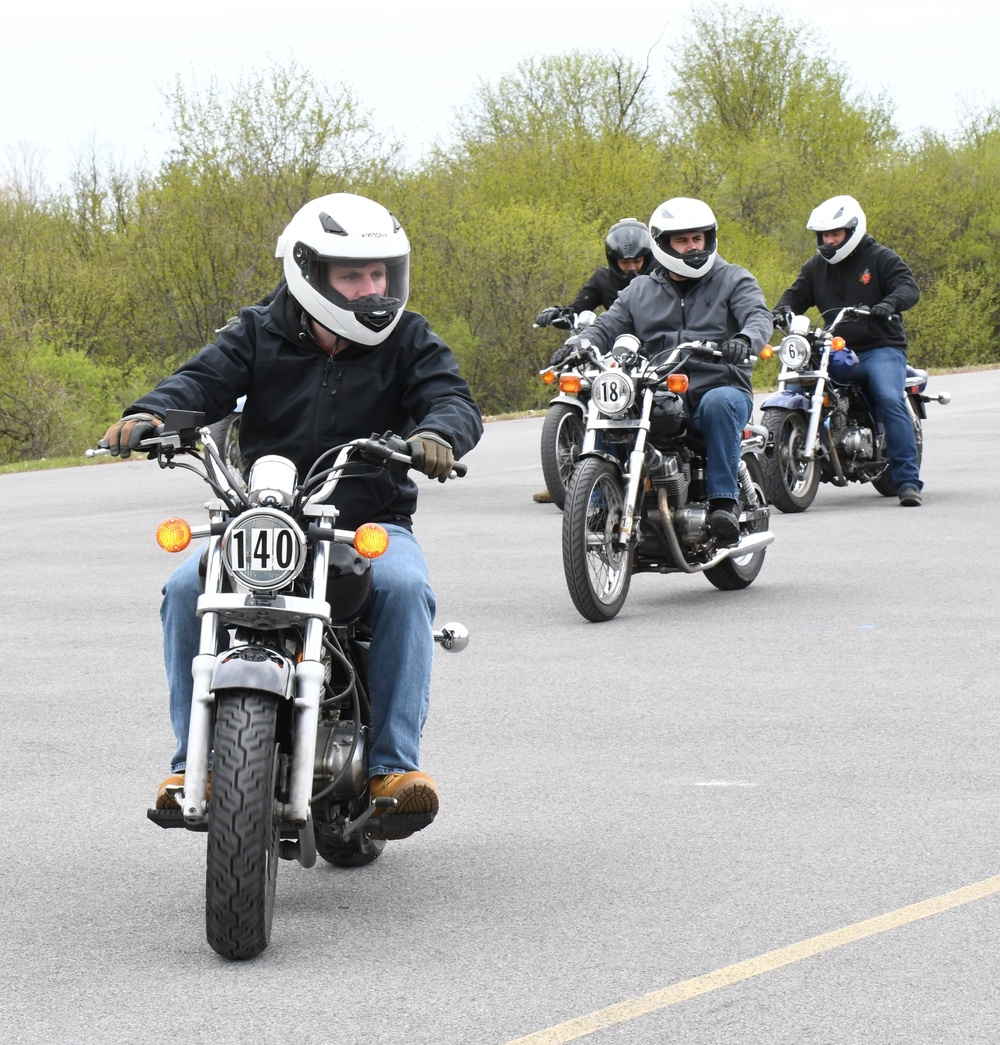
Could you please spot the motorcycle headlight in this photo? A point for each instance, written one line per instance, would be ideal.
(794, 352)
(264, 549)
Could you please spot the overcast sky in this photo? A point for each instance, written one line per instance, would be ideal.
(93, 72)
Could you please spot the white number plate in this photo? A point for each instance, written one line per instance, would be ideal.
(613, 392)
(263, 550)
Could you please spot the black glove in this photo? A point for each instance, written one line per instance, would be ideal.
(781, 317)
(547, 315)
(566, 351)
(736, 350)
(881, 311)
(432, 454)
(125, 435)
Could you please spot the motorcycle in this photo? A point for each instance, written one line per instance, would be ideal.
(637, 500)
(283, 713)
(822, 426)
(562, 431)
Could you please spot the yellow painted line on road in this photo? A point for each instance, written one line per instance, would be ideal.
(624, 1011)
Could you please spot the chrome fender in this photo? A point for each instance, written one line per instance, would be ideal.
(254, 667)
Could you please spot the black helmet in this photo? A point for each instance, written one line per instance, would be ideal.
(628, 238)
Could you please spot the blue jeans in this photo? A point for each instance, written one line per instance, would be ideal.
(400, 609)
(720, 418)
(883, 373)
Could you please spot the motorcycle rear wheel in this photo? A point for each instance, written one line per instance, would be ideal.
(598, 571)
(791, 482)
(883, 482)
(562, 440)
(244, 833)
(358, 851)
(734, 574)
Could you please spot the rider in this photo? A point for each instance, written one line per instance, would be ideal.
(335, 356)
(696, 295)
(851, 268)
(629, 251)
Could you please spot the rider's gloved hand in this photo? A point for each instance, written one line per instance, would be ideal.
(881, 311)
(781, 317)
(125, 435)
(432, 454)
(565, 351)
(736, 350)
(548, 315)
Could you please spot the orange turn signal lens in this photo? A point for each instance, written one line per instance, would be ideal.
(173, 535)
(569, 383)
(371, 540)
(766, 352)
(549, 377)
(838, 344)
(677, 383)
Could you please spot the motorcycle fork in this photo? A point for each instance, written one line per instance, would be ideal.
(195, 801)
(815, 413)
(635, 470)
(309, 679)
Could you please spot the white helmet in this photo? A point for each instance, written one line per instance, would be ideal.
(838, 212)
(684, 215)
(343, 229)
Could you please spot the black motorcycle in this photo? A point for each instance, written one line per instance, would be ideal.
(637, 499)
(822, 426)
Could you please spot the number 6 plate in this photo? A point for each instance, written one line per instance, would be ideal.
(264, 549)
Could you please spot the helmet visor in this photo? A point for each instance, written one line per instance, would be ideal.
(365, 286)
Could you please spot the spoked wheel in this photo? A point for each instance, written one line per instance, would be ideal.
(226, 434)
(791, 480)
(598, 570)
(244, 832)
(562, 440)
(736, 573)
(883, 481)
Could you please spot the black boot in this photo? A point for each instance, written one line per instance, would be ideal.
(723, 521)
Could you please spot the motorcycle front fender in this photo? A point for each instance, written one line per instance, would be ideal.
(255, 667)
(568, 400)
(604, 456)
(787, 400)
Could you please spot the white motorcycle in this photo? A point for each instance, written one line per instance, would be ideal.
(283, 712)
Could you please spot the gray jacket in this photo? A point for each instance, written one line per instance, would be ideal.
(662, 313)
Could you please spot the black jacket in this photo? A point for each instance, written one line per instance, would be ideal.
(301, 401)
(869, 275)
(602, 288)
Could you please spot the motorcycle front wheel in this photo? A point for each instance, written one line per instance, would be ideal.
(244, 832)
(598, 570)
(740, 572)
(791, 481)
(562, 440)
(883, 481)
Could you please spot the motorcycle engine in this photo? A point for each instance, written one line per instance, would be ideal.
(333, 753)
(674, 474)
(857, 442)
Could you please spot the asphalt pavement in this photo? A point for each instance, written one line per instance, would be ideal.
(708, 778)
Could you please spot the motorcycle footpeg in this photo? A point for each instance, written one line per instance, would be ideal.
(172, 818)
(395, 825)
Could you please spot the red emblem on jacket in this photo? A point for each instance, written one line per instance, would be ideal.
(866, 276)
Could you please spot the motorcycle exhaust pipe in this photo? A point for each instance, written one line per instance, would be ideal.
(751, 543)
